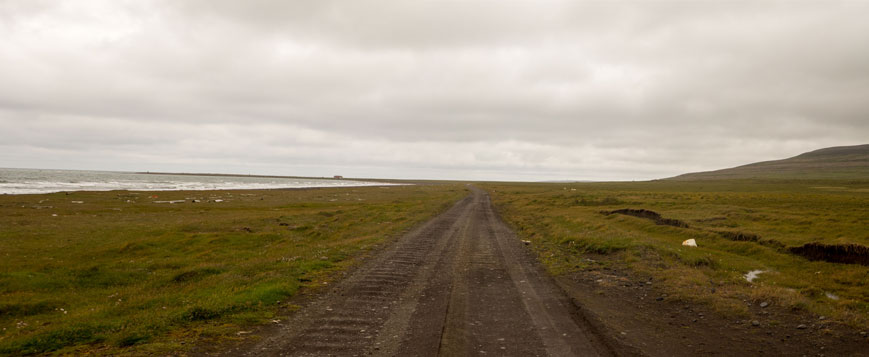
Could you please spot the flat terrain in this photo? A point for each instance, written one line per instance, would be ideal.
(433, 270)
(617, 248)
(461, 284)
(131, 273)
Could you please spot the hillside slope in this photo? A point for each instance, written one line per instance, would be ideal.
(844, 162)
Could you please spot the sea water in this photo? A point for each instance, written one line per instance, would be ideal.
(26, 181)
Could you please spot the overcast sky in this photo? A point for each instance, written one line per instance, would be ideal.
(499, 90)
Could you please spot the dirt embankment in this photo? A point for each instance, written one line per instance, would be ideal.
(651, 215)
(750, 237)
(833, 253)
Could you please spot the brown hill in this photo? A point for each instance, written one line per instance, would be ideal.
(840, 162)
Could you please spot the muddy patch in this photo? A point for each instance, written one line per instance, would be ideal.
(606, 201)
(650, 215)
(749, 237)
(834, 253)
(739, 236)
(710, 219)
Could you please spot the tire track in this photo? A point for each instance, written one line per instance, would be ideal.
(461, 284)
(348, 321)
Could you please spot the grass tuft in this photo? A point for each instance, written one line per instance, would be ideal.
(24, 309)
(195, 274)
(57, 339)
(132, 339)
(201, 314)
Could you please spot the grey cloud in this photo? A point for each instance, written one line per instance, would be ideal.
(480, 89)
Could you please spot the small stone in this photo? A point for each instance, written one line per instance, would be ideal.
(801, 327)
(764, 304)
(755, 323)
(863, 333)
(822, 318)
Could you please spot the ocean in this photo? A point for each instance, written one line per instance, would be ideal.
(29, 181)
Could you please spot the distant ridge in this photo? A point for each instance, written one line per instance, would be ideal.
(840, 162)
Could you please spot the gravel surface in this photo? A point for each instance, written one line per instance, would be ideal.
(460, 284)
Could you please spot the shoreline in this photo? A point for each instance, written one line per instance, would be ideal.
(240, 175)
(37, 181)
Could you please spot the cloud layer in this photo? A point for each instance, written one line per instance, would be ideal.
(468, 90)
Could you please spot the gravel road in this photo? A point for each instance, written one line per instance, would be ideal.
(460, 284)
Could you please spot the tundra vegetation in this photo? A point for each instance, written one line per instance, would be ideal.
(129, 272)
(808, 237)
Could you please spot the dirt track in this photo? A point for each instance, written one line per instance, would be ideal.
(461, 284)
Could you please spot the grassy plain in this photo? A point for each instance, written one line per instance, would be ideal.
(115, 272)
(566, 226)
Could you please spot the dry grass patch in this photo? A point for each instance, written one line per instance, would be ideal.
(740, 226)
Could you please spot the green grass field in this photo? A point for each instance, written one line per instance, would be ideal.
(739, 226)
(118, 273)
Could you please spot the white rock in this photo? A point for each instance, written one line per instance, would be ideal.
(750, 276)
(690, 243)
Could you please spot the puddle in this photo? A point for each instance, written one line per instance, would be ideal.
(750, 276)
